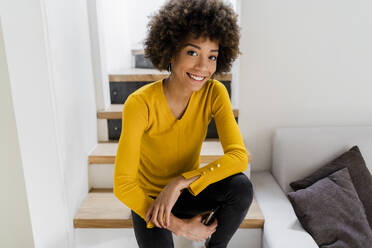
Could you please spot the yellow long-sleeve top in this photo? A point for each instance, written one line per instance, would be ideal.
(155, 147)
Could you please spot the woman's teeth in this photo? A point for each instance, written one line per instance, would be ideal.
(198, 78)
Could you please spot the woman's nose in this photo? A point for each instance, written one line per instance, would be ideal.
(202, 64)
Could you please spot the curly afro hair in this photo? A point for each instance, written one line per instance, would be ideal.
(179, 19)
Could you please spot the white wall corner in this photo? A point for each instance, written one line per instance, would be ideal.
(15, 213)
(56, 122)
(101, 80)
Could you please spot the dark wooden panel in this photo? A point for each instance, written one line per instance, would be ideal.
(120, 91)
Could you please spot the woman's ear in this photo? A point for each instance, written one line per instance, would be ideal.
(171, 62)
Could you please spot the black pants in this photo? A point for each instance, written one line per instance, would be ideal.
(233, 195)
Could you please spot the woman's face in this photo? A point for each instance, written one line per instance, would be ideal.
(195, 63)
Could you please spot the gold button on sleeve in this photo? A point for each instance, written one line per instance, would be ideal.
(218, 165)
(211, 169)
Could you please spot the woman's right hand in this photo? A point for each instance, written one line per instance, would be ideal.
(197, 231)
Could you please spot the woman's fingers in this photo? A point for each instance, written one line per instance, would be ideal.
(167, 217)
(154, 218)
(198, 218)
(149, 212)
(161, 216)
(214, 224)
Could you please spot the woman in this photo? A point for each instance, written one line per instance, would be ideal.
(157, 172)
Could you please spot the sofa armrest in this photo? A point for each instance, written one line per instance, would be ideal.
(281, 228)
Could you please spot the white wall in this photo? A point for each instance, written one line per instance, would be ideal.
(305, 63)
(101, 80)
(124, 28)
(14, 211)
(50, 71)
(76, 116)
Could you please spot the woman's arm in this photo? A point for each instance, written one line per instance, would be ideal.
(235, 158)
(160, 210)
(126, 187)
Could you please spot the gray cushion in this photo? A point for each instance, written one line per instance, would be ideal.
(360, 176)
(331, 211)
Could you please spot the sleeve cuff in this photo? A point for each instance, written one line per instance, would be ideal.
(193, 173)
(199, 184)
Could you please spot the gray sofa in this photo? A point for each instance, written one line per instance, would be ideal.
(296, 153)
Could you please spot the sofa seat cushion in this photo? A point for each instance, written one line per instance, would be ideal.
(330, 210)
(280, 219)
(360, 176)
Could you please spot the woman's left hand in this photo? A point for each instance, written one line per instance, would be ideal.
(164, 203)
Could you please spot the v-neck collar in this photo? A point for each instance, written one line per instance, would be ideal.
(169, 111)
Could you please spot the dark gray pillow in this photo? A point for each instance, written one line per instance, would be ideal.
(330, 210)
(360, 176)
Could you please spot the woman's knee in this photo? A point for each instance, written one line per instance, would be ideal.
(241, 189)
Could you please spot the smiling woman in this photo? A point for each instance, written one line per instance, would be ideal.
(164, 123)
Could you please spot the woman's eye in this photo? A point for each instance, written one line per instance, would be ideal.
(192, 53)
(214, 58)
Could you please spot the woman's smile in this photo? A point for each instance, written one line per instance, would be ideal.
(196, 77)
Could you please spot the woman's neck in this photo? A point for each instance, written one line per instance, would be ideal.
(175, 91)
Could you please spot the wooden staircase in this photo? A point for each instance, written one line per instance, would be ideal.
(101, 209)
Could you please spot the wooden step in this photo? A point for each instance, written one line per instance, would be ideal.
(105, 153)
(115, 111)
(149, 75)
(101, 209)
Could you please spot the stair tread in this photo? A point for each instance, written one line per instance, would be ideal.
(105, 153)
(101, 209)
(114, 111)
(141, 74)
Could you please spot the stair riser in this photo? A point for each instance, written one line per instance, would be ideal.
(102, 130)
(124, 237)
